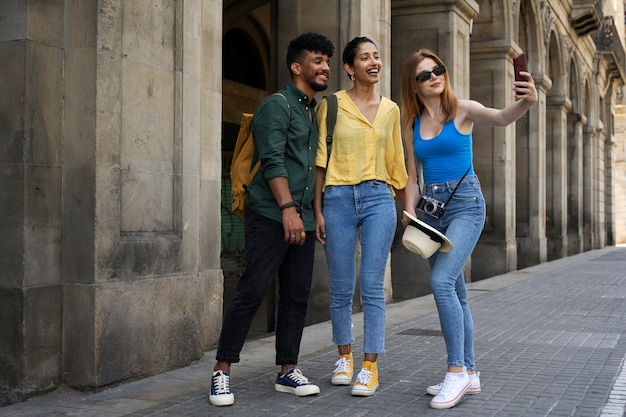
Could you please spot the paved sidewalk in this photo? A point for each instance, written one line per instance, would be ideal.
(550, 341)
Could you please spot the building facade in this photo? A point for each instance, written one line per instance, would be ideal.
(118, 117)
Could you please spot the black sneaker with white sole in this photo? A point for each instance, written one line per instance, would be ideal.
(220, 389)
(293, 382)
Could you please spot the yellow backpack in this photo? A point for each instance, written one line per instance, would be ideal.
(245, 163)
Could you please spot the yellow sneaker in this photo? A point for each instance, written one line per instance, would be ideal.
(367, 380)
(343, 371)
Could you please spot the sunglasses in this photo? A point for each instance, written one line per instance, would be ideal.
(425, 75)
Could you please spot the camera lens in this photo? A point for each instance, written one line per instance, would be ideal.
(429, 207)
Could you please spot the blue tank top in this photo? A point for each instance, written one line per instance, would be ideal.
(445, 157)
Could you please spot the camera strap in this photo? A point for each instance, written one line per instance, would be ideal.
(457, 185)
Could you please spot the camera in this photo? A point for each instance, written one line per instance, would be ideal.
(431, 206)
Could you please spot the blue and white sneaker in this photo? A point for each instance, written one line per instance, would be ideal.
(293, 382)
(220, 389)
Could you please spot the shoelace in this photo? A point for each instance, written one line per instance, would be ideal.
(449, 385)
(221, 384)
(297, 377)
(343, 366)
(472, 380)
(364, 377)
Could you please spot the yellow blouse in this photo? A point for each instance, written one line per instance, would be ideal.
(362, 151)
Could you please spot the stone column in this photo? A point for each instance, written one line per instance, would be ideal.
(443, 27)
(342, 21)
(31, 109)
(597, 206)
(531, 179)
(142, 279)
(619, 175)
(589, 175)
(575, 123)
(602, 185)
(556, 176)
(494, 162)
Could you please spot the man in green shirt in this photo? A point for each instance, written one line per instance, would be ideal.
(279, 221)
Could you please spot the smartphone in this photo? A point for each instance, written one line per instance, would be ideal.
(519, 64)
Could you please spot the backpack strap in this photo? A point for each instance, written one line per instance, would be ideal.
(288, 106)
(255, 156)
(331, 119)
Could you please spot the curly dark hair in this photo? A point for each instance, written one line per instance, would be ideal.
(313, 42)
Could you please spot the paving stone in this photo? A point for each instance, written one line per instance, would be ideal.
(551, 342)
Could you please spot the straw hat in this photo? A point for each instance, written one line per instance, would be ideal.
(422, 239)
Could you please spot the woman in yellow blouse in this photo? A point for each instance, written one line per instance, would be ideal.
(354, 197)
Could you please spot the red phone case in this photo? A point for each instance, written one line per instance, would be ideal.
(519, 64)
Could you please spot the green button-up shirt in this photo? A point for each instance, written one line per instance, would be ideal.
(285, 139)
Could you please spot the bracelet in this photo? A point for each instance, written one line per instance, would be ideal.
(287, 205)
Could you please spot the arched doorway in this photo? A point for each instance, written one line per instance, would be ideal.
(246, 81)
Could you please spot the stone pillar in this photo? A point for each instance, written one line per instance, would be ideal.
(589, 175)
(444, 28)
(441, 26)
(600, 213)
(531, 179)
(141, 270)
(494, 153)
(575, 123)
(556, 176)
(341, 22)
(619, 175)
(31, 109)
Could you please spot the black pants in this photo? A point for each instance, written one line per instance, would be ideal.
(267, 254)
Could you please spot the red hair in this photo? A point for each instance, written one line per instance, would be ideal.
(412, 103)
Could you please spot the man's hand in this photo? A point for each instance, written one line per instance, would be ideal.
(293, 226)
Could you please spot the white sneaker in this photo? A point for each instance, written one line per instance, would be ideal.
(474, 386)
(453, 388)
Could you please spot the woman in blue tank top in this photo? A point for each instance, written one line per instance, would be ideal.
(438, 129)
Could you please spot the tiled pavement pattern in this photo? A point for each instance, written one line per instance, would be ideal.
(550, 341)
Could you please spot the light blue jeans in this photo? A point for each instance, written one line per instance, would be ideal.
(462, 223)
(367, 207)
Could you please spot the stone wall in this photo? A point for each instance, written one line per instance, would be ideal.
(31, 126)
(110, 259)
